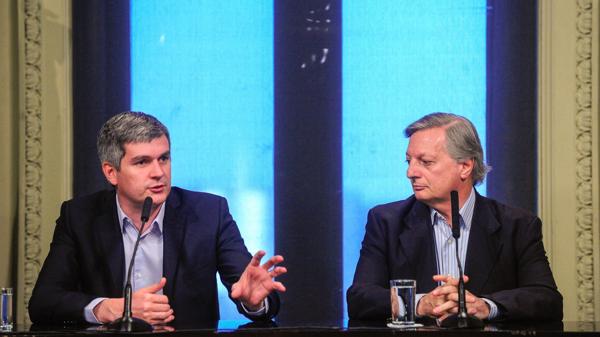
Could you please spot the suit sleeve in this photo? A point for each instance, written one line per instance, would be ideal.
(369, 296)
(536, 296)
(233, 257)
(56, 297)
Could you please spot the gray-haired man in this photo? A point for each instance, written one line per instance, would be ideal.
(507, 273)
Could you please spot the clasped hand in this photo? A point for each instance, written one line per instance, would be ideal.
(442, 301)
(256, 282)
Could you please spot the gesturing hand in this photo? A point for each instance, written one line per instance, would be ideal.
(256, 282)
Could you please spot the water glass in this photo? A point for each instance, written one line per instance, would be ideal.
(402, 294)
(6, 309)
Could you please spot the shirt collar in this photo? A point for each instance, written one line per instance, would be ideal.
(158, 220)
(466, 212)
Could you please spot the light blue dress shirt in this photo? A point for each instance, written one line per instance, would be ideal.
(148, 264)
(445, 245)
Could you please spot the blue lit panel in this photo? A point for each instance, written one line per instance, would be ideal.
(205, 68)
(402, 60)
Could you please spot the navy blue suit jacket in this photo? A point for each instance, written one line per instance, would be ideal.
(87, 259)
(505, 262)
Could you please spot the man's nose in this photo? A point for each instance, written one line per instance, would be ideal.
(411, 171)
(156, 169)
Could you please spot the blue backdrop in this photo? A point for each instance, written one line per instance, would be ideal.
(205, 68)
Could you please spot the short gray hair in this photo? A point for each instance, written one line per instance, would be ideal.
(127, 127)
(462, 140)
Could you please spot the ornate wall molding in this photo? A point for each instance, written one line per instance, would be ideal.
(33, 145)
(584, 158)
(569, 150)
(45, 128)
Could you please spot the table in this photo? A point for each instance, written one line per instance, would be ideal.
(326, 328)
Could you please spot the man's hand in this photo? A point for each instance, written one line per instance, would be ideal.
(442, 301)
(475, 305)
(256, 282)
(146, 304)
(430, 304)
(438, 303)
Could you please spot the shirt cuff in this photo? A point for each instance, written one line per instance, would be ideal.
(417, 299)
(259, 312)
(493, 309)
(88, 311)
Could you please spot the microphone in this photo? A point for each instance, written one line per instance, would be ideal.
(127, 322)
(455, 216)
(146, 208)
(462, 320)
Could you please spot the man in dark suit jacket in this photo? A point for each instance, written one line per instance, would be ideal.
(190, 236)
(507, 272)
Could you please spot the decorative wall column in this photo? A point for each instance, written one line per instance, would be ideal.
(44, 91)
(32, 134)
(569, 150)
(586, 119)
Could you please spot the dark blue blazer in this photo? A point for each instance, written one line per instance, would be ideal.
(505, 262)
(87, 259)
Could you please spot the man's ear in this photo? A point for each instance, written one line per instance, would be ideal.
(466, 168)
(110, 172)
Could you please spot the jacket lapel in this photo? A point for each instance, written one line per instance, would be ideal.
(108, 233)
(416, 243)
(173, 232)
(484, 245)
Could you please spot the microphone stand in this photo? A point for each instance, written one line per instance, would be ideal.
(128, 323)
(462, 320)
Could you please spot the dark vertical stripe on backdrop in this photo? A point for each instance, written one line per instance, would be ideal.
(101, 81)
(511, 102)
(308, 172)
